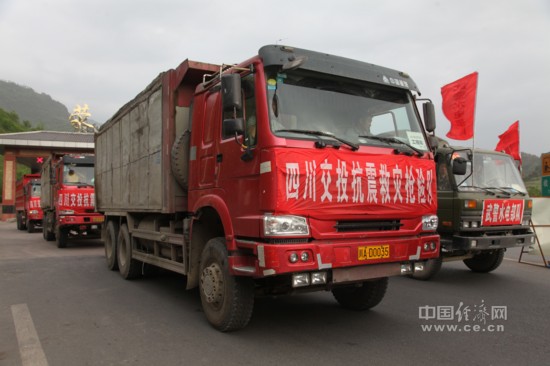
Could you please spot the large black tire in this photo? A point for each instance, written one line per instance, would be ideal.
(485, 261)
(363, 297)
(227, 301)
(111, 236)
(129, 268)
(30, 226)
(62, 237)
(431, 268)
(19, 222)
(46, 234)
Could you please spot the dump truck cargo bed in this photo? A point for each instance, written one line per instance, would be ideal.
(134, 148)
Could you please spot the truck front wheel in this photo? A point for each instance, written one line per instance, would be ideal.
(20, 223)
(30, 226)
(227, 300)
(485, 261)
(111, 234)
(361, 297)
(129, 268)
(62, 237)
(48, 235)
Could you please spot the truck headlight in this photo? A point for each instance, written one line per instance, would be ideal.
(285, 225)
(33, 212)
(429, 222)
(66, 212)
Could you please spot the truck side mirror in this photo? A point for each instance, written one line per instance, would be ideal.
(429, 116)
(232, 127)
(459, 166)
(231, 92)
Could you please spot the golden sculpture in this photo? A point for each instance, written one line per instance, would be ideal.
(79, 119)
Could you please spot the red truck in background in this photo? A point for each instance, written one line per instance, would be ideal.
(255, 179)
(27, 202)
(68, 198)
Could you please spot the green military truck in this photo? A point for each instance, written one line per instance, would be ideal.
(483, 208)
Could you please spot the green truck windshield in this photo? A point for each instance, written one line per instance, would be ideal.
(490, 171)
(348, 109)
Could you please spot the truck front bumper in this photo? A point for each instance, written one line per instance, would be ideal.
(465, 243)
(344, 260)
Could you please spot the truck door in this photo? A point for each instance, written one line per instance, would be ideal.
(239, 161)
(207, 148)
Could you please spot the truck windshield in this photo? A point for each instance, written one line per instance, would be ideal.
(359, 112)
(35, 190)
(492, 171)
(78, 175)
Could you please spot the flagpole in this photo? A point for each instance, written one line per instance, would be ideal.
(475, 108)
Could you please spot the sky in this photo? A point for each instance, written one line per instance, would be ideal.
(104, 52)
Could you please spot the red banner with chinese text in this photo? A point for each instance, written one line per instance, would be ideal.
(502, 212)
(71, 198)
(339, 182)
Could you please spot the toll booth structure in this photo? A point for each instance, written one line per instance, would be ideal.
(32, 149)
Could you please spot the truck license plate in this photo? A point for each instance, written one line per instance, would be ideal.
(97, 219)
(373, 252)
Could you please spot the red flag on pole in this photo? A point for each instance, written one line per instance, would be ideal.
(459, 101)
(509, 141)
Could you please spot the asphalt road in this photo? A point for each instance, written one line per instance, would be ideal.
(64, 307)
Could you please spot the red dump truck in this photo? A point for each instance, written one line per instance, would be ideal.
(68, 199)
(27, 202)
(254, 179)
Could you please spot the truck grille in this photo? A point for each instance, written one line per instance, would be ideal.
(288, 241)
(379, 225)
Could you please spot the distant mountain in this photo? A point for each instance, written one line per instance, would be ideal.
(531, 166)
(37, 108)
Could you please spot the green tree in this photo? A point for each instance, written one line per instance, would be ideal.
(9, 123)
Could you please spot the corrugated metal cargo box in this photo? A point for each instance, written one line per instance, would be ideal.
(133, 148)
(132, 156)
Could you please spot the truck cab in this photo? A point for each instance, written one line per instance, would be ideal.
(27, 202)
(68, 199)
(483, 207)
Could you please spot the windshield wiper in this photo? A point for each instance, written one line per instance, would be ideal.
(354, 147)
(514, 191)
(390, 140)
(486, 189)
(79, 184)
(501, 190)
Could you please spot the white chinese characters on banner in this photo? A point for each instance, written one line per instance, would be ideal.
(71, 199)
(376, 179)
(502, 212)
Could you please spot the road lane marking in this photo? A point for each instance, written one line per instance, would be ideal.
(29, 345)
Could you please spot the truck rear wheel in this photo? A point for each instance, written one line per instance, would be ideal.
(111, 234)
(62, 237)
(363, 297)
(431, 268)
(227, 300)
(129, 268)
(485, 261)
